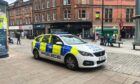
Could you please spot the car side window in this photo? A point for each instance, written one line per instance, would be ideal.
(55, 39)
(38, 38)
(46, 39)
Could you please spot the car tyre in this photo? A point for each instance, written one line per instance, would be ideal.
(36, 54)
(71, 63)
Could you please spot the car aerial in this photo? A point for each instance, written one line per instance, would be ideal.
(69, 50)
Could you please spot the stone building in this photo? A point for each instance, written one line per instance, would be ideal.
(20, 17)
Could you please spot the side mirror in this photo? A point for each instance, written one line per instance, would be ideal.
(59, 43)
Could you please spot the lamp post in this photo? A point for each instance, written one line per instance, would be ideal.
(102, 24)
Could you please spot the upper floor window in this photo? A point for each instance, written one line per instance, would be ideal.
(48, 4)
(67, 14)
(54, 15)
(97, 15)
(48, 16)
(66, 2)
(82, 14)
(53, 3)
(43, 17)
(129, 14)
(108, 14)
(83, 1)
(43, 5)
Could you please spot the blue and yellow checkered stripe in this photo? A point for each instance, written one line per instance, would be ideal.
(55, 49)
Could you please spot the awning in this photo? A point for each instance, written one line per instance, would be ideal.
(107, 30)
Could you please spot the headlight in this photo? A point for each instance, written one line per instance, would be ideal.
(85, 53)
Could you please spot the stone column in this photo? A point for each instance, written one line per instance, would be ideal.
(137, 22)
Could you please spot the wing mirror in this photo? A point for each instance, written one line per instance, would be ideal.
(59, 43)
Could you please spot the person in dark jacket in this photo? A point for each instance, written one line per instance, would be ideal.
(111, 40)
(18, 38)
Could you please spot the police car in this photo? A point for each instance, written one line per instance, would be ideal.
(68, 49)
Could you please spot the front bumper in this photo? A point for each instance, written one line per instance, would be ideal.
(90, 62)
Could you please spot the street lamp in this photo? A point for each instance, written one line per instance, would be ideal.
(102, 24)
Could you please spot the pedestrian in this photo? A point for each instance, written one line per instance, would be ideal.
(111, 40)
(105, 40)
(80, 36)
(18, 38)
(22, 34)
(108, 40)
(93, 37)
(10, 40)
(114, 38)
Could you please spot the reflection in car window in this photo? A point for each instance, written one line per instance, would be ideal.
(55, 39)
(46, 38)
(72, 40)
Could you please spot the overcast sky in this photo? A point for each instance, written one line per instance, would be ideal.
(11, 1)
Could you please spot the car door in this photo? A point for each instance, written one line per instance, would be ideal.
(43, 45)
(56, 48)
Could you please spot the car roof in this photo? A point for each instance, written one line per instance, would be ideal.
(58, 34)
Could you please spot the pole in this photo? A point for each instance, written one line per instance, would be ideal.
(102, 24)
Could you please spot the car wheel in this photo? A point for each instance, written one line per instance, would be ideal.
(71, 63)
(36, 54)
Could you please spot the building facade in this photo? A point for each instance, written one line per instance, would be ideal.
(117, 14)
(20, 17)
(83, 16)
(51, 16)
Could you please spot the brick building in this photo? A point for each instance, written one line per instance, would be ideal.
(115, 12)
(83, 16)
(51, 16)
(20, 17)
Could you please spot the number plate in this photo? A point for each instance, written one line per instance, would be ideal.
(102, 58)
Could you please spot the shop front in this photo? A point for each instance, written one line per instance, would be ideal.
(27, 29)
(24, 30)
(106, 31)
(38, 29)
(127, 31)
(76, 28)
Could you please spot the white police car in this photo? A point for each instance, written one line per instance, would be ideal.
(68, 49)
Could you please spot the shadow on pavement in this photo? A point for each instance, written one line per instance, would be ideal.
(136, 49)
(63, 66)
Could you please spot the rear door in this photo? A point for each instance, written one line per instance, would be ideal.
(43, 45)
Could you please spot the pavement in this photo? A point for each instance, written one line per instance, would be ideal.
(124, 59)
(21, 68)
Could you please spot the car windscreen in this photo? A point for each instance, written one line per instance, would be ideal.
(72, 40)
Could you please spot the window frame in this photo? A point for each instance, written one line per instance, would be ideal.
(47, 39)
(52, 40)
